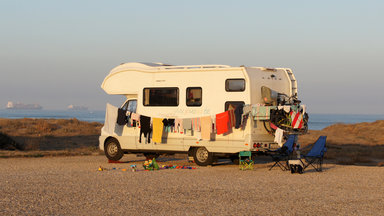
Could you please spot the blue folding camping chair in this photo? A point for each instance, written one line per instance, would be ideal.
(315, 156)
(283, 153)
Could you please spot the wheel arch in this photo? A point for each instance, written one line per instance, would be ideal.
(110, 138)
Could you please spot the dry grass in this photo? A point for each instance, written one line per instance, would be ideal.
(48, 127)
(351, 144)
(51, 134)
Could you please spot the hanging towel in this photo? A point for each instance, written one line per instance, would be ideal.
(145, 127)
(110, 119)
(157, 131)
(187, 124)
(232, 119)
(261, 112)
(206, 127)
(279, 136)
(196, 124)
(222, 122)
(179, 126)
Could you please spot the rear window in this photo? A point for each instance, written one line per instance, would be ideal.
(234, 85)
(161, 97)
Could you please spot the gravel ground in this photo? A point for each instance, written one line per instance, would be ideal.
(73, 186)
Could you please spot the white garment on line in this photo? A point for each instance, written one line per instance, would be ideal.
(110, 119)
(279, 136)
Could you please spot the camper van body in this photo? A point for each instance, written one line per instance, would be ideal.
(215, 87)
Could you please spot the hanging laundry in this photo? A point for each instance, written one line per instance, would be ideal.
(157, 129)
(196, 124)
(168, 124)
(135, 119)
(222, 122)
(206, 127)
(187, 124)
(279, 137)
(179, 126)
(171, 125)
(238, 115)
(213, 117)
(261, 112)
(286, 108)
(297, 119)
(110, 119)
(231, 112)
(303, 108)
(145, 127)
(121, 117)
(247, 109)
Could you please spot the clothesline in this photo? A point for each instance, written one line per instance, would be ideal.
(203, 126)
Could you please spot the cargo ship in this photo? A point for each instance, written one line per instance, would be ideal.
(18, 105)
(74, 107)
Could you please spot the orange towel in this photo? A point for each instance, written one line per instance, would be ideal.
(222, 122)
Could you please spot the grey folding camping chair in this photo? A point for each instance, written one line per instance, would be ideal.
(283, 153)
(315, 156)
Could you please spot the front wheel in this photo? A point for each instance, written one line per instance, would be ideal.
(202, 156)
(113, 150)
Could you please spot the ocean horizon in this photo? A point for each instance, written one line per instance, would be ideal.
(316, 121)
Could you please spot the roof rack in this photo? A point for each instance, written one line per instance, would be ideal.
(194, 67)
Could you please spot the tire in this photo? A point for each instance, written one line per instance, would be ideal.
(202, 156)
(113, 150)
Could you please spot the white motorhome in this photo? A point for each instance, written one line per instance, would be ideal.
(191, 91)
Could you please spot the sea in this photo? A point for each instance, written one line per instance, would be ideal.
(316, 121)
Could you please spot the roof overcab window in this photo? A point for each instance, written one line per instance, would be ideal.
(234, 85)
(194, 96)
(161, 97)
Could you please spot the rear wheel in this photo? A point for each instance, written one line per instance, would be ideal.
(113, 150)
(202, 156)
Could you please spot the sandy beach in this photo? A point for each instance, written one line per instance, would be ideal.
(73, 186)
(57, 174)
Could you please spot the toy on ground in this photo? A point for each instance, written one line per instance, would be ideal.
(151, 165)
(245, 160)
(134, 168)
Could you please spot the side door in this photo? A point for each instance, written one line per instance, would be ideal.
(129, 133)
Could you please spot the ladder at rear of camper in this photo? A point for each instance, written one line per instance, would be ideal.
(293, 81)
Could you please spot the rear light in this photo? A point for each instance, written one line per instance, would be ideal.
(256, 145)
(265, 145)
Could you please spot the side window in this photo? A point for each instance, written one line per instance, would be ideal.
(234, 85)
(233, 104)
(130, 106)
(161, 96)
(194, 96)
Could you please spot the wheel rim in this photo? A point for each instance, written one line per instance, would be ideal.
(202, 154)
(112, 149)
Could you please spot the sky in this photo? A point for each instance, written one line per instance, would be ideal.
(57, 53)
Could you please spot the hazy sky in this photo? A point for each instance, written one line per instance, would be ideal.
(57, 53)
